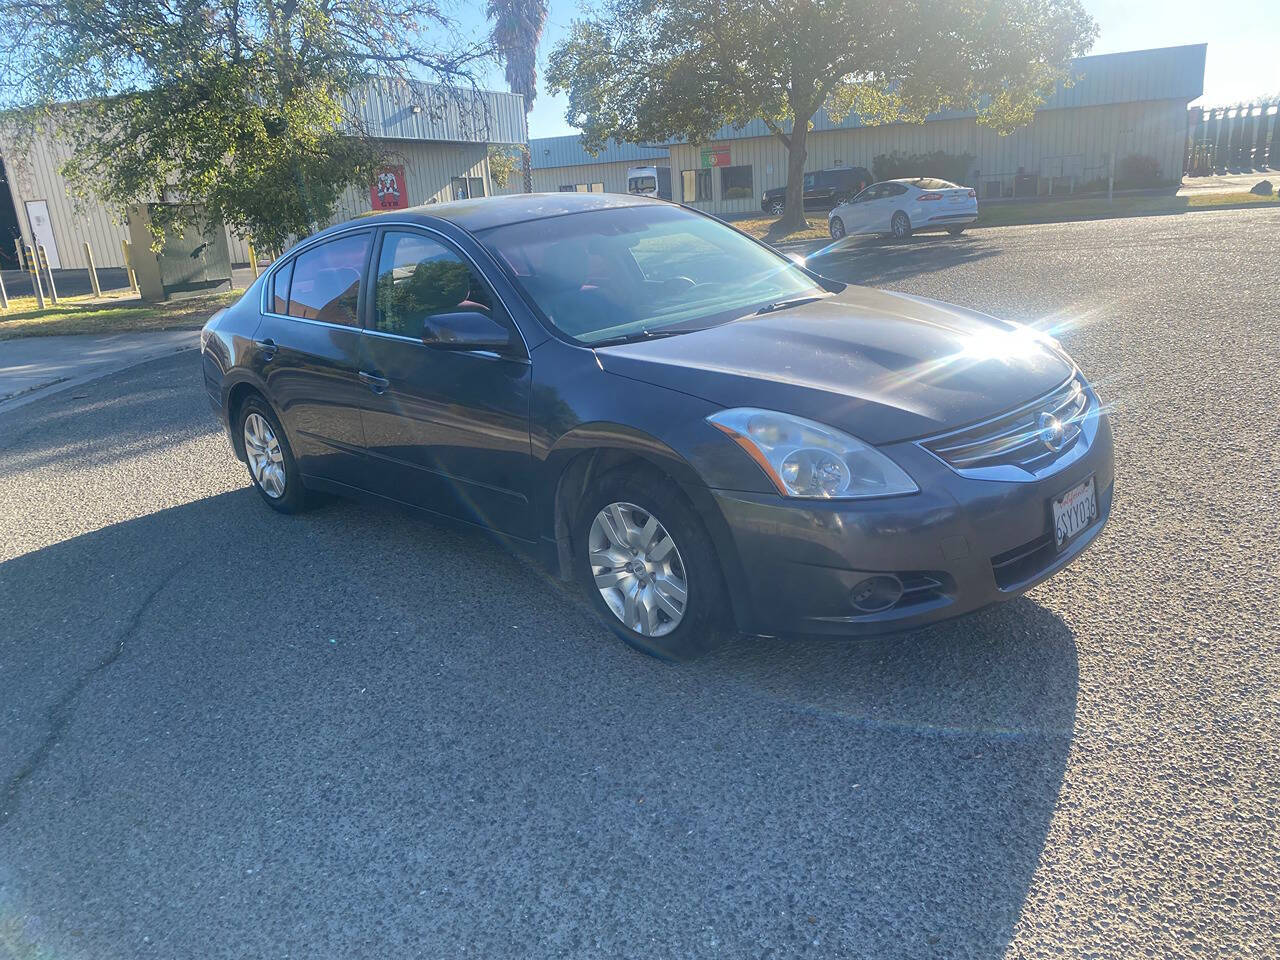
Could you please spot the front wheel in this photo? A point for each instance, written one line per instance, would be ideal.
(837, 228)
(900, 226)
(648, 566)
(777, 207)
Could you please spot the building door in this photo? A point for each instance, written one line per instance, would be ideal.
(42, 230)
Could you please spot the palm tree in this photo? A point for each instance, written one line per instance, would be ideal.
(517, 28)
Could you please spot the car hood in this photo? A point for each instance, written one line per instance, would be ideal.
(882, 366)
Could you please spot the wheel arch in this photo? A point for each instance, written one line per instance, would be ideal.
(237, 392)
(594, 449)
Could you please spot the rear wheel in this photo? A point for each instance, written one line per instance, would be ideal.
(955, 231)
(777, 207)
(272, 469)
(900, 226)
(837, 228)
(648, 566)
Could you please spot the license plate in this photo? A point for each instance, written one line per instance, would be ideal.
(1073, 512)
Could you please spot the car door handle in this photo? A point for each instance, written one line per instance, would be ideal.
(374, 382)
(268, 349)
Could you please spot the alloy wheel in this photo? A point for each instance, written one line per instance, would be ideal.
(638, 569)
(901, 225)
(837, 228)
(266, 460)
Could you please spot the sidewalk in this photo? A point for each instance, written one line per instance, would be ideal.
(35, 367)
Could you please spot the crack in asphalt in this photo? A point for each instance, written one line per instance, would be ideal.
(60, 713)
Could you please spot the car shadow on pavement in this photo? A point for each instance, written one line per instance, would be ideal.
(876, 262)
(234, 732)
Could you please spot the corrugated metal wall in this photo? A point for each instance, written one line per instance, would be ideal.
(612, 175)
(429, 169)
(1080, 135)
(387, 109)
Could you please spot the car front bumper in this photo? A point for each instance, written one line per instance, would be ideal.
(957, 545)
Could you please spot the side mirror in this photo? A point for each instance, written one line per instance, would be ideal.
(465, 330)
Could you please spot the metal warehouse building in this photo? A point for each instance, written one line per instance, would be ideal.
(440, 141)
(1120, 104)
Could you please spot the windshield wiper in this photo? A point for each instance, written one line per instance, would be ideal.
(637, 337)
(784, 304)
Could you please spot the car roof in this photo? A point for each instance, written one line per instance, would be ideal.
(482, 213)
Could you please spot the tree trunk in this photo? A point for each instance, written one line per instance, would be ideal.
(793, 216)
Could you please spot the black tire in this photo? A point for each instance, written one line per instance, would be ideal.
(294, 498)
(837, 228)
(900, 226)
(704, 621)
(777, 207)
(955, 231)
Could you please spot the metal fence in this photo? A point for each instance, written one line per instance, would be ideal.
(1245, 137)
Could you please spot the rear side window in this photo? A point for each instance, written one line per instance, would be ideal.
(280, 289)
(326, 281)
(419, 278)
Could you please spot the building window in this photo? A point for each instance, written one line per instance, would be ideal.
(582, 188)
(696, 185)
(466, 187)
(735, 183)
(597, 188)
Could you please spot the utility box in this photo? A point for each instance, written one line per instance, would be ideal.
(194, 259)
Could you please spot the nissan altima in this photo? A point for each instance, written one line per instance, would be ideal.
(705, 435)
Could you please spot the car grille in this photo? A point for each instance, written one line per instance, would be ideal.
(1017, 438)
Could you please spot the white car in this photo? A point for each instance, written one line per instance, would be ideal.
(901, 207)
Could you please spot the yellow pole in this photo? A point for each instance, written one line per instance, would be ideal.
(93, 270)
(29, 259)
(253, 261)
(128, 265)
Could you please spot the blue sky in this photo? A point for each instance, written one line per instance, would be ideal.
(1243, 59)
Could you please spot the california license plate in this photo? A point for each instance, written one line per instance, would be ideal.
(1073, 512)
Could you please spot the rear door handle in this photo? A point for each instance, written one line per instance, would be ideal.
(374, 382)
(268, 348)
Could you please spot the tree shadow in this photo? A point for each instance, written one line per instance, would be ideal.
(346, 732)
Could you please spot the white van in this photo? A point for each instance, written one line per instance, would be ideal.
(649, 182)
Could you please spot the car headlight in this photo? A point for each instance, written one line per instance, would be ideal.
(804, 458)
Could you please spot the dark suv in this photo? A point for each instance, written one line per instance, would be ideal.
(823, 189)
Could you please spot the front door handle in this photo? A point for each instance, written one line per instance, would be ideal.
(374, 382)
(268, 349)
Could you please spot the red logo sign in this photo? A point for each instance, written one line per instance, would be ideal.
(388, 191)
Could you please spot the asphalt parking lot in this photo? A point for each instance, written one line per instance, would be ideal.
(228, 733)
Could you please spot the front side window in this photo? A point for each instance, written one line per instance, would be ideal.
(326, 280)
(696, 185)
(735, 183)
(420, 278)
(602, 274)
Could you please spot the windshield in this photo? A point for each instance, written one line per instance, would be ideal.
(602, 274)
(641, 184)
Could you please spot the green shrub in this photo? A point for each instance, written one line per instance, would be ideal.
(958, 168)
(1138, 170)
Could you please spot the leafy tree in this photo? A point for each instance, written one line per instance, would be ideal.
(652, 70)
(248, 108)
(502, 164)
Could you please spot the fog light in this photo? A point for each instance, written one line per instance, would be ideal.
(876, 593)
